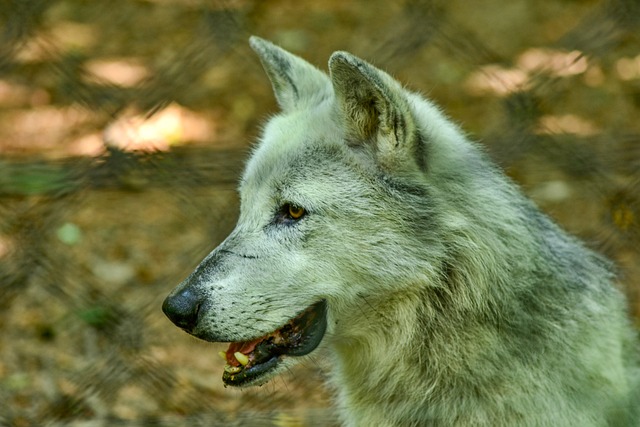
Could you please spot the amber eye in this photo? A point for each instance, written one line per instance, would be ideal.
(295, 212)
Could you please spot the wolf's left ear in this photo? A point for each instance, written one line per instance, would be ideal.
(375, 110)
(296, 83)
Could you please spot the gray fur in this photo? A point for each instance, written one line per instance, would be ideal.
(452, 300)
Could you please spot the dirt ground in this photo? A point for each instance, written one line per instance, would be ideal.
(123, 128)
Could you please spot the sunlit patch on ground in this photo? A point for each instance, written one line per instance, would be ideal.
(174, 125)
(566, 124)
(126, 72)
(499, 80)
(628, 68)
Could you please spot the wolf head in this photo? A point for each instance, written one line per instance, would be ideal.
(337, 216)
(371, 226)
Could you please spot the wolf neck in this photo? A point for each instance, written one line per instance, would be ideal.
(378, 359)
(396, 370)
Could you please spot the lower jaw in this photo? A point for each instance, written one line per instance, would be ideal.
(253, 375)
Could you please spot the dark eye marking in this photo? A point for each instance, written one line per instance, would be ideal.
(289, 214)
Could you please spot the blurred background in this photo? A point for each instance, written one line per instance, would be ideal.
(124, 125)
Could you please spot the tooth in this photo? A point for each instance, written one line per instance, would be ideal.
(232, 369)
(223, 355)
(242, 358)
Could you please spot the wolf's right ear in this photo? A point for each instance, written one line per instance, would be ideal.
(375, 112)
(296, 83)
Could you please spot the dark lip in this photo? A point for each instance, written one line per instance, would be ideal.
(302, 335)
(248, 375)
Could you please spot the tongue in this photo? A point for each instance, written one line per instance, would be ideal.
(244, 347)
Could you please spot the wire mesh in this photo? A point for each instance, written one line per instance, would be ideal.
(124, 126)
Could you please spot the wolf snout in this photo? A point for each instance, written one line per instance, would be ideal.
(182, 308)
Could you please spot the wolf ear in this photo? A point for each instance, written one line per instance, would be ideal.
(296, 83)
(375, 110)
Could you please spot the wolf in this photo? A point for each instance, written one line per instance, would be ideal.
(371, 226)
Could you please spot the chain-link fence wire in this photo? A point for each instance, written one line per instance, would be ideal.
(123, 128)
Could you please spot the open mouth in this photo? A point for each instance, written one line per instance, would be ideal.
(247, 361)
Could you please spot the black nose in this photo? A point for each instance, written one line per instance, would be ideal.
(182, 308)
